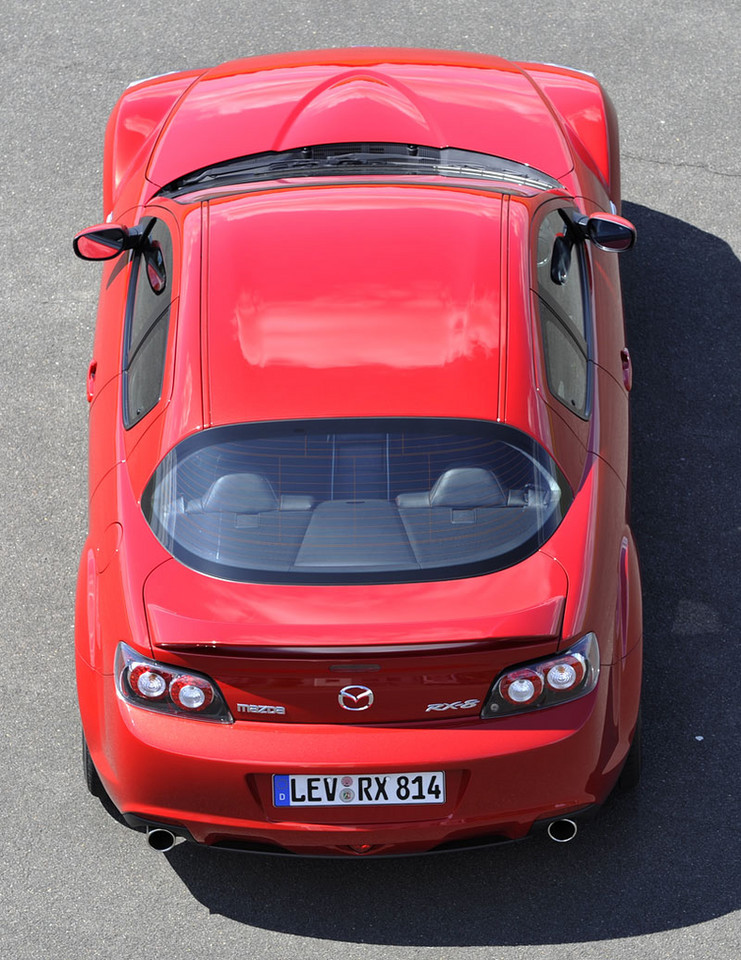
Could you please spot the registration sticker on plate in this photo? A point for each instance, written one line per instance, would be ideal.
(362, 789)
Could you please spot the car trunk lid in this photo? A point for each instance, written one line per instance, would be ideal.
(386, 653)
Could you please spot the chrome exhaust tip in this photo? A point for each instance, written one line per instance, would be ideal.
(562, 830)
(161, 839)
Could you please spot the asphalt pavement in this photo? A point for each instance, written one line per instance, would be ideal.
(656, 876)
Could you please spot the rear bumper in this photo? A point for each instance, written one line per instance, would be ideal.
(475, 842)
(212, 782)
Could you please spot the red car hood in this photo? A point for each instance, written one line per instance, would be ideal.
(436, 98)
(413, 644)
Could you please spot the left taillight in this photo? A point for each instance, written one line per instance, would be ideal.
(167, 689)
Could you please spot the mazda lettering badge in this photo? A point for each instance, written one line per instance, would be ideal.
(355, 698)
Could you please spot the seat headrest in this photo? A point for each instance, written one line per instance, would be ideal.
(467, 487)
(240, 493)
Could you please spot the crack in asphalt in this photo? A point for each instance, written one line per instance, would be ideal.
(706, 168)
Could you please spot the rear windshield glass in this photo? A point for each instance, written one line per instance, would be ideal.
(355, 501)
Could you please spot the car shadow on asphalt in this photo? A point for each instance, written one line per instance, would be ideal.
(667, 855)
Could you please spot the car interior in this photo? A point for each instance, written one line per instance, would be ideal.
(347, 502)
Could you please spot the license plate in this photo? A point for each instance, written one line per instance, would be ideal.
(358, 790)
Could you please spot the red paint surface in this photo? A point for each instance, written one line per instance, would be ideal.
(325, 299)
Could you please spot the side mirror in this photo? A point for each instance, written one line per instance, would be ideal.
(104, 241)
(608, 231)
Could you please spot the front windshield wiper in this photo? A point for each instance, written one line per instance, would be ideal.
(346, 159)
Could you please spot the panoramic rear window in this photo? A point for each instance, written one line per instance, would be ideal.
(355, 501)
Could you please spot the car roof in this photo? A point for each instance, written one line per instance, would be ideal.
(437, 98)
(353, 300)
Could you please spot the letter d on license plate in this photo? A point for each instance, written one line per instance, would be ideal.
(358, 789)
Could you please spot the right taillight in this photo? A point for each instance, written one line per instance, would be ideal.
(546, 683)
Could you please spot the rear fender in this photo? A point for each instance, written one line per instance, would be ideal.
(595, 547)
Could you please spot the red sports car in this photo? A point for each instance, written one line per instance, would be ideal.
(359, 577)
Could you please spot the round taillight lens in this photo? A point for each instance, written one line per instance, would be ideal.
(191, 693)
(147, 683)
(521, 687)
(565, 674)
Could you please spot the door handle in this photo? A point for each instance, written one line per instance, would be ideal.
(627, 368)
(91, 371)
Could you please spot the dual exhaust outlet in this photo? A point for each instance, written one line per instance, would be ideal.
(163, 840)
(562, 830)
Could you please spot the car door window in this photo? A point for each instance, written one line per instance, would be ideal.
(146, 330)
(560, 288)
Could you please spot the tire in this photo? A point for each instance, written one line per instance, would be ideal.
(630, 775)
(92, 780)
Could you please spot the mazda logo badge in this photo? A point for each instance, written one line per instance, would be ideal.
(355, 697)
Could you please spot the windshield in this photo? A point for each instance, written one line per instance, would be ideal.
(339, 159)
(355, 501)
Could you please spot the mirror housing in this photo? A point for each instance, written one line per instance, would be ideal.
(104, 241)
(607, 231)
